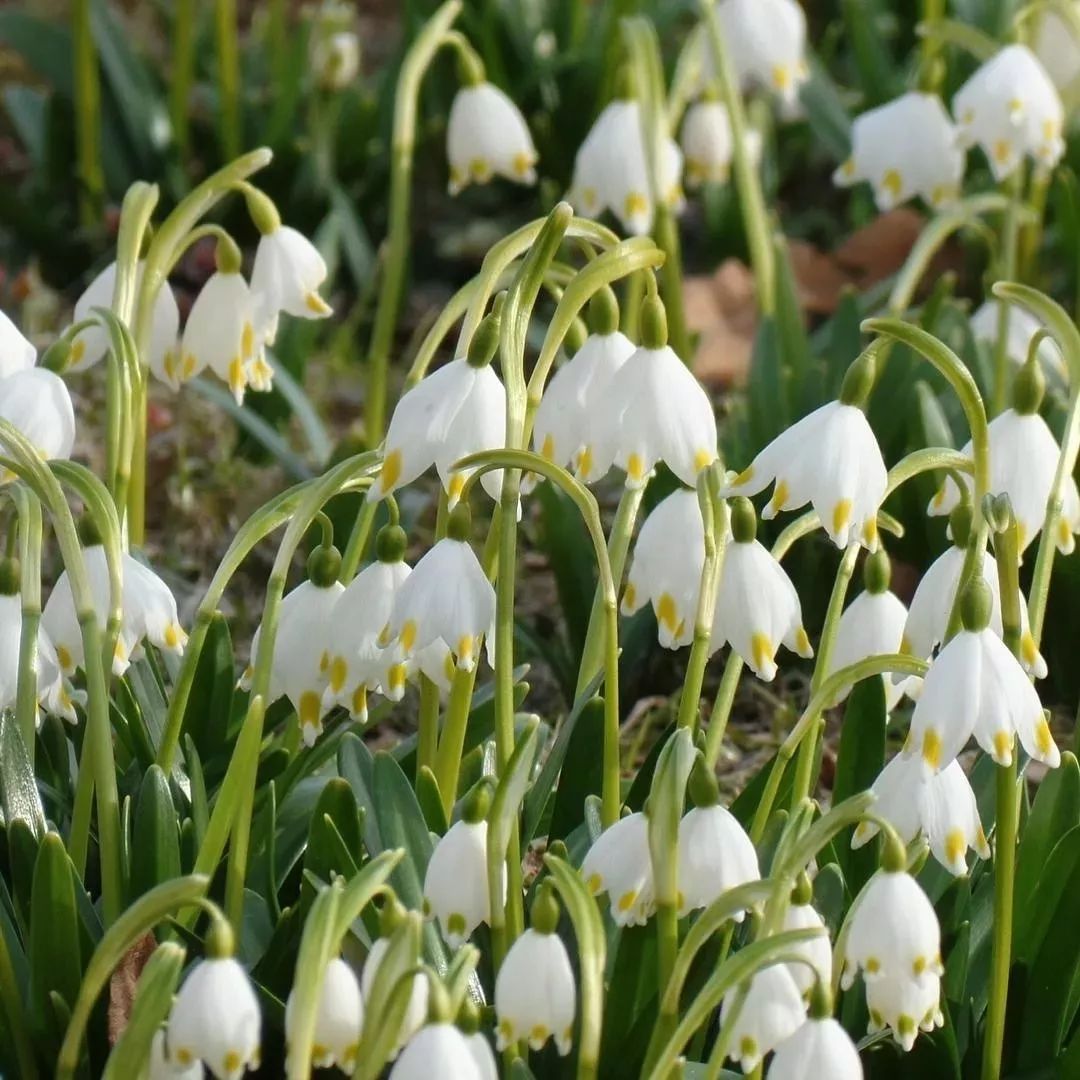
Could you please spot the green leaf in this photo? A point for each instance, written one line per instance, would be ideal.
(155, 846)
(506, 806)
(54, 954)
(335, 822)
(200, 807)
(209, 708)
(859, 760)
(430, 799)
(826, 114)
(153, 1000)
(1055, 811)
(18, 787)
(582, 773)
(44, 45)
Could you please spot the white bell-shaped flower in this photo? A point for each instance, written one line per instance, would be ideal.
(148, 612)
(657, 411)
(36, 401)
(456, 884)
(220, 333)
(535, 991)
(1011, 109)
(91, 345)
(338, 1019)
(610, 171)
(16, 352)
(215, 1019)
(905, 1007)
(757, 608)
(1023, 464)
(52, 691)
(1057, 47)
(977, 687)
(1020, 327)
(456, 411)
(715, 854)
(830, 459)
(160, 1067)
(817, 952)
(434, 661)
(335, 58)
(486, 136)
(707, 143)
(928, 615)
(357, 661)
(565, 427)
(483, 1056)
(872, 625)
(942, 807)
(417, 1008)
(446, 598)
(436, 1050)
(774, 1009)
(904, 149)
(820, 1048)
(766, 43)
(300, 668)
(285, 279)
(619, 864)
(667, 565)
(893, 933)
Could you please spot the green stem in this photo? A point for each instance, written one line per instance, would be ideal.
(228, 76)
(447, 761)
(721, 711)
(26, 701)
(403, 144)
(1010, 243)
(622, 530)
(667, 942)
(358, 541)
(87, 114)
(427, 741)
(183, 71)
(78, 843)
(1032, 233)
(747, 180)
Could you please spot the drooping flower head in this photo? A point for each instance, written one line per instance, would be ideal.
(1011, 109)
(757, 608)
(774, 1010)
(830, 459)
(707, 143)
(16, 352)
(339, 1017)
(904, 149)
(36, 401)
(766, 42)
(619, 864)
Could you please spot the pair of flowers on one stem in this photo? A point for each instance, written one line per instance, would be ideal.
(910, 147)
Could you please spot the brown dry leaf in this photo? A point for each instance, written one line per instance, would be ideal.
(123, 982)
(878, 250)
(722, 309)
(819, 278)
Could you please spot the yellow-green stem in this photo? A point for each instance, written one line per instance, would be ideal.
(447, 761)
(183, 71)
(1010, 242)
(87, 114)
(228, 77)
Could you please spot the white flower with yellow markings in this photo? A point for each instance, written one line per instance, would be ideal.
(904, 1007)
(766, 43)
(148, 612)
(1011, 109)
(977, 687)
(446, 598)
(830, 459)
(942, 807)
(707, 143)
(535, 991)
(820, 1048)
(657, 411)
(37, 402)
(339, 1016)
(773, 1010)
(91, 344)
(285, 279)
(610, 171)
(619, 864)
(666, 569)
(436, 1050)
(757, 608)
(16, 352)
(300, 668)
(1058, 47)
(903, 149)
(416, 1008)
(1020, 327)
(215, 1019)
(486, 136)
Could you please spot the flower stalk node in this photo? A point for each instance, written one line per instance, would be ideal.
(1029, 387)
(546, 910)
(478, 802)
(859, 380)
(877, 572)
(654, 326)
(390, 544)
(976, 605)
(604, 312)
(459, 523)
(227, 256)
(702, 785)
(743, 520)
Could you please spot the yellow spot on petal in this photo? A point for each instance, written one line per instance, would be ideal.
(1029, 651)
(408, 635)
(595, 884)
(189, 366)
(1044, 741)
(480, 170)
(324, 662)
(395, 678)
(1064, 533)
(955, 846)
(870, 532)
(627, 900)
(120, 652)
(538, 1034)
(781, 494)
(168, 362)
(872, 965)
(782, 77)
(319, 1052)
(745, 476)
(78, 350)
(762, 650)
(703, 459)
(667, 613)
(1003, 744)
(359, 703)
(174, 636)
(522, 164)
(941, 193)
(636, 204)
(893, 183)
(390, 472)
(629, 594)
(635, 467)
(919, 965)
(548, 448)
(939, 497)
(237, 375)
(905, 645)
(848, 168)
(339, 671)
(247, 341)
(183, 1056)
(316, 304)
(931, 749)
(457, 485)
(64, 658)
(748, 1047)
(802, 643)
(841, 515)
(588, 198)
(585, 461)
(310, 709)
(507, 1030)
(465, 648)
(232, 1061)
(1001, 151)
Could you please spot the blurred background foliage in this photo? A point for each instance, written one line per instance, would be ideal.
(167, 114)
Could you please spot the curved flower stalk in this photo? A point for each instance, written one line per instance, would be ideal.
(904, 149)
